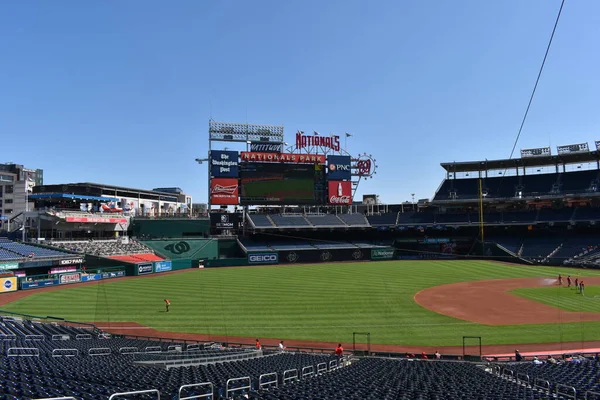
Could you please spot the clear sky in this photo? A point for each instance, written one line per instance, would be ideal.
(120, 92)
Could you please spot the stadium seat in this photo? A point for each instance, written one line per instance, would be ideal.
(290, 221)
(108, 248)
(10, 250)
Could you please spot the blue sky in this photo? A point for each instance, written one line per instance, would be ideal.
(120, 92)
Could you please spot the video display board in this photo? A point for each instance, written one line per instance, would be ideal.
(274, 183)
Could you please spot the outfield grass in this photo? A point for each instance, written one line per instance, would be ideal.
(314, 302)
(566, 298)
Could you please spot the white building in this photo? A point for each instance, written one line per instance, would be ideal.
(16, 183)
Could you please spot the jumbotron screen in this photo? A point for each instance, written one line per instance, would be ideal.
(277, 184)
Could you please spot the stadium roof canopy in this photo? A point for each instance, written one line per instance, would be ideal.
(70, 196)
(110, 191)
(537, 161)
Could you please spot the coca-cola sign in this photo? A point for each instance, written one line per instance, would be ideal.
(266, 147)
(340, 192)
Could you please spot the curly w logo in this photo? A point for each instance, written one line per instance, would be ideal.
(178, 248)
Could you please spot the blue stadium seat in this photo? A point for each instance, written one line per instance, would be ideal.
(290, 220)
(260, 221)
(10, 250)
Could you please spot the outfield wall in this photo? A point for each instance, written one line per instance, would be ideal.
(185, 249)
(304, 257)
(170, 227)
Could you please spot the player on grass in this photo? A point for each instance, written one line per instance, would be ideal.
(581, 288)
(569, 281)
(560, 279)
(167, 304)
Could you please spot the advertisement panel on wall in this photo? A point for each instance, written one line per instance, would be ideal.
(91, 277)
(8, 284)
(224, 191)
(60, 270)
(8, 265)
(382, 254)
(96, 220)
(263, 258)
(113, 274)
(143, 269)
(224, 164)
(225, 221)
(340, 193)
(69, 278)
(266, 147)
(339, 168)
(70, 261)
(38, 284)
(319, 256)
(283, 158)
(162, 266)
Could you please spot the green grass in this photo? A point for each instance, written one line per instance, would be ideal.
(314, 302)
(566, 298)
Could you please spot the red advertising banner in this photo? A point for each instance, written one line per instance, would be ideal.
(224, 191)
(283, 158)
(96, 220)
(340, 192)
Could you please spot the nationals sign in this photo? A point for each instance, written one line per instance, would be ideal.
(331, 142)
(224, 191)
(283, 158)
(340, 192)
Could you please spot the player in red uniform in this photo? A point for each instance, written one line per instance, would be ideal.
(560, 280)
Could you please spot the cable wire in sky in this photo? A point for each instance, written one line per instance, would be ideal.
(536, 82)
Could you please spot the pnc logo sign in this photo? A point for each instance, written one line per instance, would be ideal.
(263, 258)
(339, 168)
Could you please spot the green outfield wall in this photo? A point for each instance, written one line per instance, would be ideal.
(170, 228)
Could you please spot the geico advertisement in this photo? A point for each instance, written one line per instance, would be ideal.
(263, 258)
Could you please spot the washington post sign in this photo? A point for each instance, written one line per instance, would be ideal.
(224, 164)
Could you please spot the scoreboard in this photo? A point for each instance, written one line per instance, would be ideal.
(281, 184)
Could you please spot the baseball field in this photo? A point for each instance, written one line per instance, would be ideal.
(413, 303)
